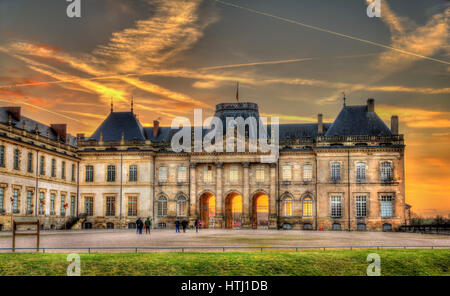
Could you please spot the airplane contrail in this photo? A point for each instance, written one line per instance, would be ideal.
(331, 32)
(257, 64)
(277, 62)
(43, 109)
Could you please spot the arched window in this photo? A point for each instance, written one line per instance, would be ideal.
(336, 226)
(162, 206)
(181, 206)
(109, 225)
(287, 206)
(307, 207)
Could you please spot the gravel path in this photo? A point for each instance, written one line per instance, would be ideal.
(256, 238)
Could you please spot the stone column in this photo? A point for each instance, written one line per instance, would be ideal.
(219, 196)
(246, 208)
(273, 211)
(193, 192)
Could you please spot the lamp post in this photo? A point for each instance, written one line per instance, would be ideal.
(65, 210)
(12, 213)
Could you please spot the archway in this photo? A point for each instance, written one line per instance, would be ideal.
(260, 210)
(207, 209)
(233, 210)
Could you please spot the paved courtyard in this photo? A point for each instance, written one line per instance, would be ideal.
(219, 238)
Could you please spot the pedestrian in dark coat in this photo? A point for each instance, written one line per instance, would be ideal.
(177, 225)
(184, 224)
(196, 225)
(148, 225)
(139, 225)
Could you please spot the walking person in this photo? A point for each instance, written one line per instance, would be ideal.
(148, 225)
(196, 223)
(184, 224)
(139, 225)
(177, 225)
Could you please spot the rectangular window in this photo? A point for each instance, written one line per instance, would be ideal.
(162, 174)
(2, 156)
(132, 206)
(287, 173)
(41, 203)
(110, 206)
(133, 173)
(386, 206)
(89, 206)
(89, 173)
(336, 207)
(260, 173)
(207, 174)
(63, 170)
(29, 202)
(53, 168)
(386, 171)
(73, 173)
(16, 159)
(111, 177)
(16, 201)
(335, 171)
(52, 203)
(30, 162)
(2, 200)
(162, 207)
(42, 166)
(307, 173)
(63, 203)
(361, 206)
(72, 206)
(360, 172)
(182, 174)
(234, 174)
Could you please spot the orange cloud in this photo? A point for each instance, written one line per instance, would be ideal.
(415, 117)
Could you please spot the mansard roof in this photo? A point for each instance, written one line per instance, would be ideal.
(357, 121)
(300, 130)
(117, 123)
(30, 126)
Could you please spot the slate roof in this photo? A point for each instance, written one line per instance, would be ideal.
(117, 123)
(30, 126)
(301, 130)
(357, 121)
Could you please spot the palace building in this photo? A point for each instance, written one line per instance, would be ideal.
(345, 175)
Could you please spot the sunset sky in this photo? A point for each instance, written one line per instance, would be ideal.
(292, 57)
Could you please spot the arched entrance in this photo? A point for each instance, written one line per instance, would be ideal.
(207, 209)
(260, 210)
(233, 210)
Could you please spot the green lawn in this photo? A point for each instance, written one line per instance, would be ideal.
(393, 262)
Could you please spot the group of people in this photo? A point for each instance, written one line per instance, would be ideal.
(140, 225)
(147, 224)
(185, 223)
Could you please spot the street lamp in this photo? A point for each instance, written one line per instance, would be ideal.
(65, 209)
(12, 213)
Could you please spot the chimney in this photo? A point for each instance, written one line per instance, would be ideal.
(14, 112)
(60, 130)
(394, 124)
(370, 105)
(320, 124)
(155, 128)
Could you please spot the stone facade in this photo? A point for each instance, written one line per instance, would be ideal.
(346, 182)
